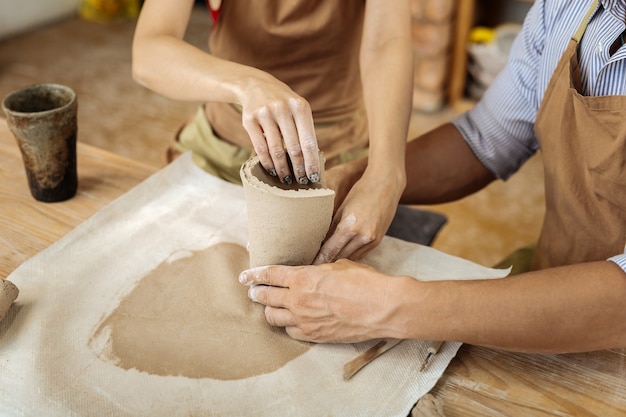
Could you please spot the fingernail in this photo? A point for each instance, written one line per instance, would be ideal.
(248, 276)
(287, 179)
(272, 172)
(252, 294)
(303, 180)
(314, 178)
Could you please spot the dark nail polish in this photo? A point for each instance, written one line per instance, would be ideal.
(272, 172)
(303, 180)
(287, 179)
(314, 178)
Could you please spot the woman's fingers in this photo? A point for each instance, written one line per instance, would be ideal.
(283, 136)
(307, 140)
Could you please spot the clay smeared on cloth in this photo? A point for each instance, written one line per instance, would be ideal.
(286, 223)
(171, 300)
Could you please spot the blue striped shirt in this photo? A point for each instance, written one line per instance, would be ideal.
(500, 128)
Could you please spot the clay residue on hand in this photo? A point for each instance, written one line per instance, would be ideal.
(191, 317)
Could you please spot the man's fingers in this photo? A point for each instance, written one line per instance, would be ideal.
(268, 295)
(279, 317)
(277, 276)
(296, 333)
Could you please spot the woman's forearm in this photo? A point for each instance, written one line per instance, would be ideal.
(386, 62)
(165, 63)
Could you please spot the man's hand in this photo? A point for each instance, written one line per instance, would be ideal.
(339, 302)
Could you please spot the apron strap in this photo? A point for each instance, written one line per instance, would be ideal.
(583, 25)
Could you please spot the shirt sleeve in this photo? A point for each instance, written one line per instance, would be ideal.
(500, 127)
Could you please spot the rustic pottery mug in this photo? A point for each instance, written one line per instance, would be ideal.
(43, 120)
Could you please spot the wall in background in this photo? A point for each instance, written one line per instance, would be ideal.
(433, 28)
(18, 16)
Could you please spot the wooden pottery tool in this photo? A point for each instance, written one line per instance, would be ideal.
(356, 364)
(432, 351)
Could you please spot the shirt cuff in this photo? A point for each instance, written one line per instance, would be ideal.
(620, 260)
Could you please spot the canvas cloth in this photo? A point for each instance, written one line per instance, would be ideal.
(51, 365)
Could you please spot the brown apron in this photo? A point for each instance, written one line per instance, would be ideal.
(583, 141)
(313, 46)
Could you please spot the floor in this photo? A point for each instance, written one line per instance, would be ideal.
(123, 117)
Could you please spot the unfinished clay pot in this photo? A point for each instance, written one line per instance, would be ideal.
(286, 223)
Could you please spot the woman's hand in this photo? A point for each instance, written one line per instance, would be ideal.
(274, 116)
(277, 119)
(362, 218)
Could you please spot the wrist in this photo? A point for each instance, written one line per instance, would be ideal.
(391, 179)
(403, 316)
(249, 83)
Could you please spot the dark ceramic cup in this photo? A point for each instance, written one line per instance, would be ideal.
(43, 120)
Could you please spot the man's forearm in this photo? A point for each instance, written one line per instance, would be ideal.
(567, 309)
(441, 167)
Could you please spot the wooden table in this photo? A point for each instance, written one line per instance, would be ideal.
(478, 382)
(28, 226)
